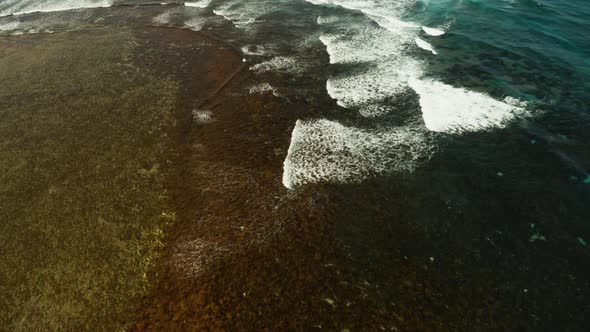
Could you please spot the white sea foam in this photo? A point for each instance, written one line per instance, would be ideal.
(328, 151)
(19, 7)
(383, 12)
(202, 116)
(389, 70)
(27, 32)
(46, 23)
(264, 88)
(390, 23)
(245, 13)
(199, 4)
(375, 110)
(258, 50)
(240, 20)
(164, 18)
(376, 66)
(381, 70)
(326, 19)
(515, 102)
(433, 32)
(425, 45)
(195, 23)
(10, 25)
(280, 64)
(173, 17)
(449, 109)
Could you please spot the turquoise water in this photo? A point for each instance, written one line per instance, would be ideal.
(532, 50)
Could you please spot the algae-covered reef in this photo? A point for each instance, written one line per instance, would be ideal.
(83, 166)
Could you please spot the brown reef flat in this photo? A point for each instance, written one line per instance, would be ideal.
(244, 253)
(83, 167)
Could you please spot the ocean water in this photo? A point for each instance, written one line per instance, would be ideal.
(475, 112)
(532, 50)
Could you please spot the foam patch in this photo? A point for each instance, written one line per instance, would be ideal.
(425, 45)
(383, 12)
(164, 18)
(258, 50)
(195, 23)
(382, 69)
(245, 13)
(19, 7)
(279, 64)
(9, 26)
(433, 32)
(198, 4)
(449, 109)
(263, 88)
(328, 151)
(19, 25)
(181, 17)
(388, 69)
(202, 116)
